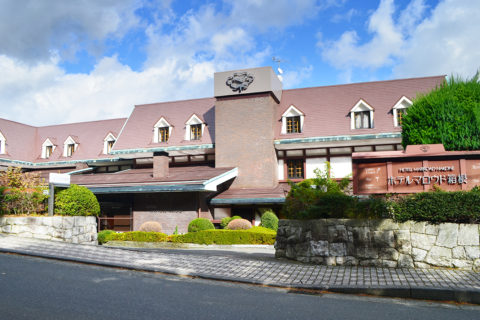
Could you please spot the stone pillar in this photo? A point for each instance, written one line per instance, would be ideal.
(160, 164)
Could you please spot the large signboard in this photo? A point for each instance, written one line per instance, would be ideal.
(396, 174)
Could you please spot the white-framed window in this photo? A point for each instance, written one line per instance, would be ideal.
(47, 148)
(292, 120)
(108, 143)
(69, 147)
(3, 144)
(194, 128)
(162, 131)
(361, 116)
(400, 109)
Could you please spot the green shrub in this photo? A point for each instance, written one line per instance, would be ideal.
(138, 236)
(151, 226)
(76, 201)
(239, 224)
(304, 195)
(226, 221)
(104, 236)
(439, 206)
(256, 235)
(269, 220)
(200, 224)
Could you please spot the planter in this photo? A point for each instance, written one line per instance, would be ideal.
(379, 243)
(77, 229)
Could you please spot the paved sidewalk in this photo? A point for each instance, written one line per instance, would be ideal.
(430, 284)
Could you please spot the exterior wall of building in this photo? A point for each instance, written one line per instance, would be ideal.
(244, 129)
(171, 210)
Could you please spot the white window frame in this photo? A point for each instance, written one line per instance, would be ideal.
(194, 119)
(162, 123)
(404, 103)
(361, 106)
(67, 142)
(292, 111)
(109, 138)
(3, 144)
(47, 143)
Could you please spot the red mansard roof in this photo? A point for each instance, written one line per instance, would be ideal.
(327, 109)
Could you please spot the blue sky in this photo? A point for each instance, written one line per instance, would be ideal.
(68, 61)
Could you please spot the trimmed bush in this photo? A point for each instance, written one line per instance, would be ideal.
(200, 224)
(151, 226)
(138, 236)
(255, 235)
(269, 220)
(440, 206)
(104, 236)
(76, 201)
(239, 224)
(226, 221)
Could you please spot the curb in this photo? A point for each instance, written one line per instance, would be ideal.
(419, 293)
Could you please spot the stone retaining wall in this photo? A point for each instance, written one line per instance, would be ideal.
(382, 243)
(61, 228)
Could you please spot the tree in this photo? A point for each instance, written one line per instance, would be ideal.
(21, 193)
(450, 114)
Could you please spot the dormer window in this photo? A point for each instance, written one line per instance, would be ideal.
(194, 128)
(108, 143)
(3, 143)
(161, 131)
(361, 116)
(47, 149)
(163, 134)
(69, 147)
(399, 110)
(293, 124)
(292, 120)
(195, 132)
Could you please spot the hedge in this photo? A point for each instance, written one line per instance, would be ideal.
(440, 206)
(255, 235)
(141, 236)
(337, 205)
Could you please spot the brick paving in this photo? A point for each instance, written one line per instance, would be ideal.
(435, 284)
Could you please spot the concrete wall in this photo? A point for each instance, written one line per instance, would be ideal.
(382, 243)
(244, 131)
(59, 228)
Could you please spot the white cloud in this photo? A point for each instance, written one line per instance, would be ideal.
(412, 45)
(347, 53)
(31, 30)
(265, 14)
(183, 52)
(344, 17)
(445, 43)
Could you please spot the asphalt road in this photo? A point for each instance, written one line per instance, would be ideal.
(33, 288)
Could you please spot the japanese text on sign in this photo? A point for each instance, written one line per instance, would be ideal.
(450, 179)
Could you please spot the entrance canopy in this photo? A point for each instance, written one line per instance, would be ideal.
(179, 179)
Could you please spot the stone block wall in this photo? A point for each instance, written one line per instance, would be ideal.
(382, 243)
(59, 228)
